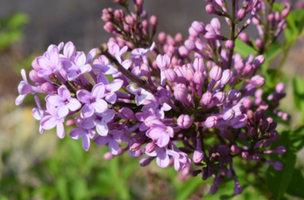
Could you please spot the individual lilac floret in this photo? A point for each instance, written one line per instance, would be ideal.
(159, 131)
(50, 121)
(25, 88)
(184, 121)
(110, 88)
(99, 120)
(38, 113)
(141, 53)
(63, 101)
(116, 51)
(93, 100)
(140, 94)
(81, 132)
(49, 63)
(111, 139)
(162, 159)
(76, 68)
(163, 63)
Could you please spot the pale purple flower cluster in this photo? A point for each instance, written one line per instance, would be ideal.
(165, 98)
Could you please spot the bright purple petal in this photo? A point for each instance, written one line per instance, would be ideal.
(113, 147)
(48, 122)
(101, 140)
(98, 91)
(84, 96)
(87, 111)
(77, 133)
(86, 142)
(60, 130)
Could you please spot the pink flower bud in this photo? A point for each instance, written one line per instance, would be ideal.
(226, 77)
(210, 122)
(199, 77)
(241, 14)
(188, 72)
(247, 103)
(215, 73)
(257, 80)
(35, 78)
(49, 88)
(199, 27)
(247, 69)
(257, 156)
(280, 87)
(109, 27)
(211, 10)
(259, 43)
(162, 37)
(130, 20)
(153, 20)
(198, 156)
(170, 75)
(150, 147)
(285, 11)
(229, 44)
(245, 155)
(190, 45)
(270, 17)
(206, 98)
(108, 156)
(179, 38)
(192, 32)
(184, 121)
(183, 51)
(244, 37)
(199, 65)
(228, 114)
(181, 92)
(70, 122)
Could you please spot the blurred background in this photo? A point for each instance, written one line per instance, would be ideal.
(34, 166)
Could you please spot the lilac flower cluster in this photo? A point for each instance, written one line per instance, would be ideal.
(166, 98)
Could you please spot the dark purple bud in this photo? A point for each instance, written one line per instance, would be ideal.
(251, 131)
(184, 121)
(264, 125)
(145, 161)
(234, 95)
(49, 88)
(245, 155)
(277, 165)
(257, 156)
(243, 136)
(259, 60)
(272, 126)
(238, 189)
(280, 150)
(235, 149)
(213, 189)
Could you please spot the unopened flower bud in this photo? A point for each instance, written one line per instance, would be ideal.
(280, 150)
(259, 60)
(234, 94)
(150, 147)
(277, 165)
(192, 32)
(70, 122)
(35, 78)
(162, 37)
(229, 44)
(184, 121)
(198, 156)
(228, 114)
(145, 161)
(244, 37)
(109, 27)
(210, 122)
(170, 75)
(235, 149)
(251, 131)
(285, 11)
(241, 14)
(226, 77)
(257, 156)
(179, 38)
(199, 27)
(213, 189)
(245, 155)
(183, 51)
(215, 73)
(257, 80)
(49, 88)
(206, 98)
(108, 156)
(181, 92)
(153, 20)
(259, 43)
(238, 189)
(190, 45)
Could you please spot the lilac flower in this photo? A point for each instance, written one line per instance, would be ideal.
(76, 68)
(49, 63)
(38, 113)
(25, 88)
(81, 132)
(99, 120)
(110, 88)
(69, 51)
(50, 121)
(111, 139)
(141, 95)
(116, 51)
(181, 159)
(93, 100)
(142, 53)
(160, 132)
(162, 159)
(63, 101)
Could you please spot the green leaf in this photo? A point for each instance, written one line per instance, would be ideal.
(62, 189)
(297, 138)
(278, 181)
(296, 181)
(274, 49)
(17, 20)
(298, 92)
(188, 188)
(79, 189)
(242, 48)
